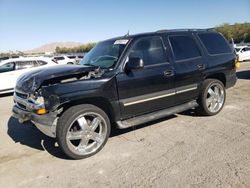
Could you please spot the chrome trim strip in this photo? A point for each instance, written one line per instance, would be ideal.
(149, 99)
(168, 93)
(185, 90)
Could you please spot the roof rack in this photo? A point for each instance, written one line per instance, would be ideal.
(179, 30)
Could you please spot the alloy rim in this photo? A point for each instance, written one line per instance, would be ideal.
(86, 133)
(215, 98)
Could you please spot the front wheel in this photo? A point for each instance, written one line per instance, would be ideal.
(212, 98)
(82, 131)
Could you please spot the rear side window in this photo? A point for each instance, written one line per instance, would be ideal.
(150, 50)
(25, 64)
(184, 47)
(215, 43)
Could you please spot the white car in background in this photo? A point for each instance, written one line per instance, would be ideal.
(63, 60)
(76, 58)
(11, 69)
(243, 52)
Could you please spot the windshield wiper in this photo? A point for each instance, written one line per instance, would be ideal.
(88, 64)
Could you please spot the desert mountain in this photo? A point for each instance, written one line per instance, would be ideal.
(52, 46)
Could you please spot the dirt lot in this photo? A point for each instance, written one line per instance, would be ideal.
(183, 150)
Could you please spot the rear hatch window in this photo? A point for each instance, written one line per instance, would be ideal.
(215, 43)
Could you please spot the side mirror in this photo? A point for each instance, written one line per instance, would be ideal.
(134, 63)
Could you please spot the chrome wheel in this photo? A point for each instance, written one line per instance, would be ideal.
(86, 133)
(215, 98)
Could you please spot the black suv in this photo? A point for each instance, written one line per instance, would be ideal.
(126, 81)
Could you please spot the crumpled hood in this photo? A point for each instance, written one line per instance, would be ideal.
(32, 80)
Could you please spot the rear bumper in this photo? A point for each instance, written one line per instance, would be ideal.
(231, 80)
(45, 123)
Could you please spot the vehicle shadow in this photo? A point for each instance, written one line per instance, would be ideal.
(191, 112)
(27, 134)
(244, 74)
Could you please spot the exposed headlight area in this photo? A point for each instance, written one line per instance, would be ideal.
(37, 99)
(30, 102)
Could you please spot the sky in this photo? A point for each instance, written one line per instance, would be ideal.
(27, 24)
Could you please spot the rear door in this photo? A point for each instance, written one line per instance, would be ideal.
(150, 88)
(189, 65)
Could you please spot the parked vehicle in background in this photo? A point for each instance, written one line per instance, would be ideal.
(77, 58)
(127, 81)
(11, 69)
(63, 60)
(243, 52)
(8, 57)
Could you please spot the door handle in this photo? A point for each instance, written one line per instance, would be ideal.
(201, 66)
(168, 73)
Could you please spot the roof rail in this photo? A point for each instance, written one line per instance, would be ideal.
(176, 30)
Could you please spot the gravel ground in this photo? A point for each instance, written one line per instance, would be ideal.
(183, 150)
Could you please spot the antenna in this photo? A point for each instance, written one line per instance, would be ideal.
(127, 34)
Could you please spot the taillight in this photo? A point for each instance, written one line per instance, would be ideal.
(237, 62)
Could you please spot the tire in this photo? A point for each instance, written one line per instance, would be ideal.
(70, 63)
(82, 131)
(217, 99)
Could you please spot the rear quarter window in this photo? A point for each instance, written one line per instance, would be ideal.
(215, 43)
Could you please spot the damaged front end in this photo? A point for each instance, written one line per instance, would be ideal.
(36, 103)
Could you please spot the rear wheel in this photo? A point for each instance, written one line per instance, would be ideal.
(82, 131)
(212, 98)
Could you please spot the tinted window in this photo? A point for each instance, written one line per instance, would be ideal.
(7, 67)
(59, 58)
(25, 64)
(245, 49)
(150, 50)
(72, 57)
(237, 49)
(215, 43)
(184, 47)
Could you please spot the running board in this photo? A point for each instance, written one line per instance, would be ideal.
(155, 115)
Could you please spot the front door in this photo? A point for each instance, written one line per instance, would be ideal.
(151, 87)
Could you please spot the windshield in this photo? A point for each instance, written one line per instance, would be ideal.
(105, 54)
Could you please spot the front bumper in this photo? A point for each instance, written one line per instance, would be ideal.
(45, 123)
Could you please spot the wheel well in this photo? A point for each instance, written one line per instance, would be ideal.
(100, 102)
(218, 76)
